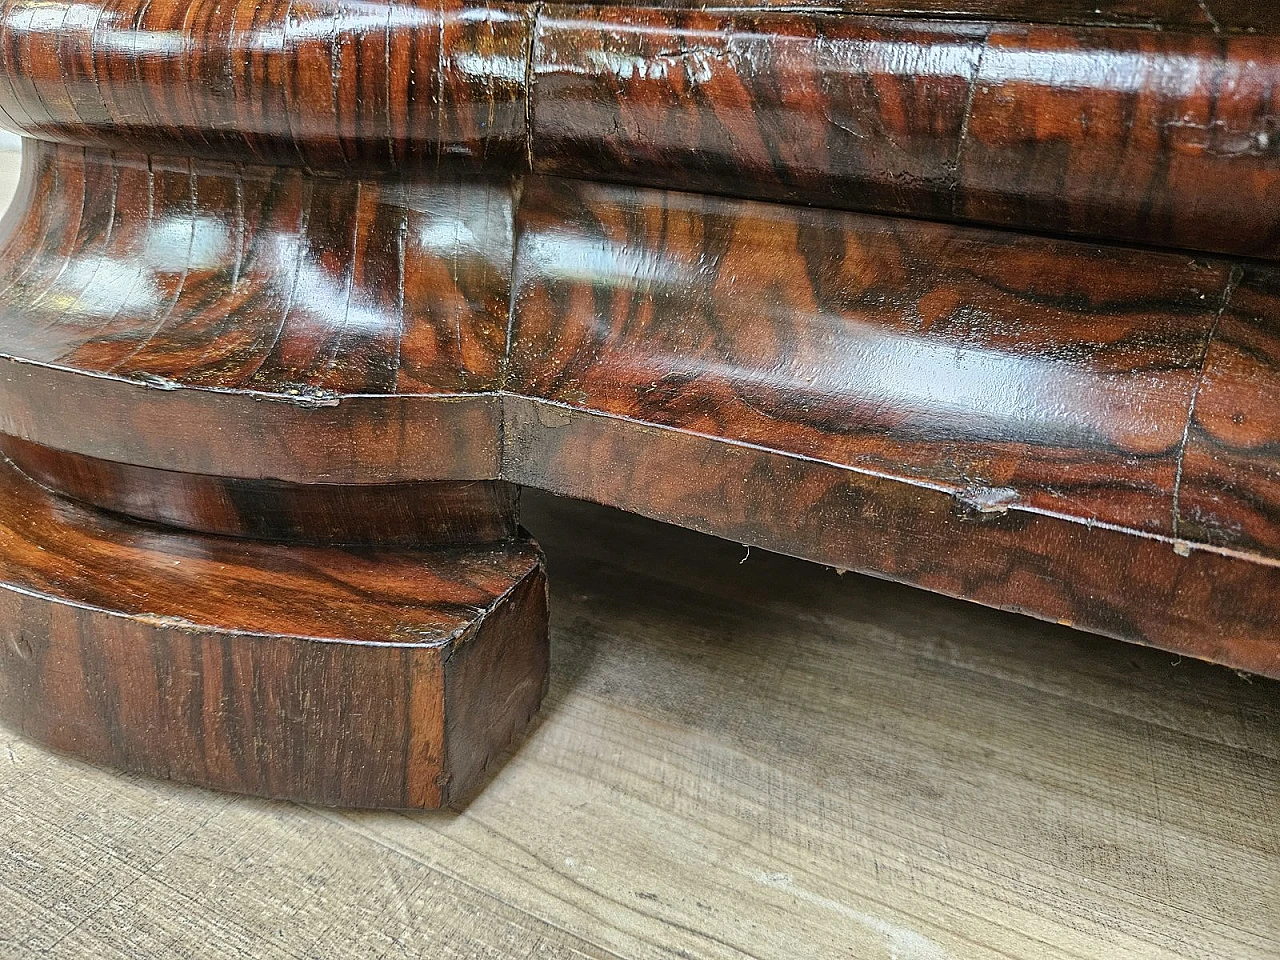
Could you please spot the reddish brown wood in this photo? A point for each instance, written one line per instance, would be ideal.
(1165, 138)
(354, 676)
(1007, 374)
(1070, 123)
(1230, 483)
(998, 417)
(1051, 375)
(306, 330)
(309, 274)
(1183, 155)
(1223, 16)
(1208, 604)
(320, 85)
(409, 514)
(840, 110)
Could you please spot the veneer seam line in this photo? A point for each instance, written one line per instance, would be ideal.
(951, 491)
(1233, 281)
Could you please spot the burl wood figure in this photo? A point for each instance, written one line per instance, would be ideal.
(980, 295)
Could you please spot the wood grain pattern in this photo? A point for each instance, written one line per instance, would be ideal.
(971, 784)
(1007, 418)
(315, 84)
(250, 278)
(1050, 375)
(1208, 604)
(1232, 465)
(406, 514)
(1223, 16)
(331, 675)
(953, 408)
(308, 330)
(1166, 137)
(1181, 155)
(270, 355)
(838, 110)
(293, 271)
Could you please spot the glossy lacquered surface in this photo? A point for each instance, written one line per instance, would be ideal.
(1073, 124)
(324, 85)
(302, 314)
(1164, 138)
(1223, 17)
(919, 400)
(405, 514)
(327, 281)
(1025, 372)
(1037, 425)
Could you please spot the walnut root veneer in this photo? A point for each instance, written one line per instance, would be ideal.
(295, 295)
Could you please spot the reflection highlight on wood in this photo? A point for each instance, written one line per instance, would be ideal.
(331, 280)
(1010, 419)
(1076, 124)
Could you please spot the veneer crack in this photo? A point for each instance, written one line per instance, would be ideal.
(1233, 281)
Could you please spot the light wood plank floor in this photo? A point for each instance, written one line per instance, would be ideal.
(742, 756)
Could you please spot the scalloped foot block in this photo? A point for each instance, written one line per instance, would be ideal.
(352, 676)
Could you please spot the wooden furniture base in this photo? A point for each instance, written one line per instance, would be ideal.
(355, 676)
(317, 286)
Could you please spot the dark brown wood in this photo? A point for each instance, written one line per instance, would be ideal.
(998, 374)
(759, 104)
(1071, 122)
(306, 330)
(409, 514)
(353, 676)
(319, 85)
(252, 279)
(1223, 16)
(997, 417)
(1164, 138)
(335, 277)
(1230, 483)
(1045, 374)
(1208, 604)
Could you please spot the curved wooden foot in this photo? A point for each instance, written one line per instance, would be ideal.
(353, 676)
